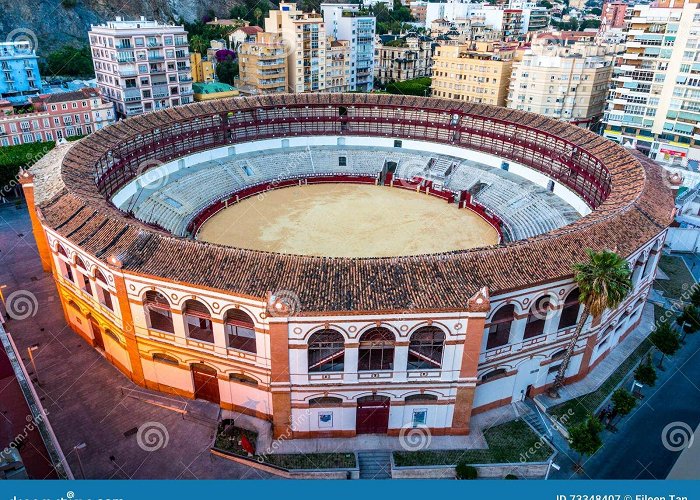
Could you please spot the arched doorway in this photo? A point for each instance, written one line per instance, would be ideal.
(372, 415)
(206, 383)
(96, 334)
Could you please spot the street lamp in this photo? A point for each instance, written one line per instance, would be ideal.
(684, 332)
(77, 449)
(30, 351)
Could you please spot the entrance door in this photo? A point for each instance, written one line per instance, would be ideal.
(206, 384)
(97, 334)
(372, 415)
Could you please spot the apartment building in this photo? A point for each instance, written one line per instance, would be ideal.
(350, 22)
(262, 65)
(514, 19)
(55, 116)
(201, 68)
(304, 37)
(141, 65)
(613, 15)
(654, 105)
(19, 72)
(474, 72)
(565, 82)
(337, 65)
(399, 58)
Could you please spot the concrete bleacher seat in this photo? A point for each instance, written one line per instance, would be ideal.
(525, 208)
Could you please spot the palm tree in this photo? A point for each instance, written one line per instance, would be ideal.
(603, 282)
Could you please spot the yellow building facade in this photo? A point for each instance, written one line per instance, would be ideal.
(477, 72)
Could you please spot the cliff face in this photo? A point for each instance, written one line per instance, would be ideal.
(53, 24)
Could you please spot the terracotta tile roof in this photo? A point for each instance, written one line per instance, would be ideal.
(250, 30)
(637, 209)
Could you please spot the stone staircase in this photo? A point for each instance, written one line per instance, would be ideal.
(536, 423)
(374, 464)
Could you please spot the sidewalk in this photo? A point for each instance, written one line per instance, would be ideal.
(605, 368)
(82, 392)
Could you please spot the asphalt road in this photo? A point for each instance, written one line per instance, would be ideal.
(637, 450)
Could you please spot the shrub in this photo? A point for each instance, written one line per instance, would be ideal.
(510, 476)
(465, 471)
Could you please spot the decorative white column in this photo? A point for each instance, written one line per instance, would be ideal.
(400, 361)
(179, 327)
(351, 356)
(220, 343)
(517, 330)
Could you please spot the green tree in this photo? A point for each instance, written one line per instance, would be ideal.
(623, 402)
(695, 295)
(227, 71)
(465, 471)
(645, 372)
(584, 438)
(603, 282)
(198, 44)
(69, 61)
(689, 320)
(666, 340)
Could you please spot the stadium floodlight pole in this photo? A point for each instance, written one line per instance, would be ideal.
(30, 351)
(77, 449)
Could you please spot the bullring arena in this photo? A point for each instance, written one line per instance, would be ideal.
(350, 264)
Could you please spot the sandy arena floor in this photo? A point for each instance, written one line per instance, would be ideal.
(347, 220)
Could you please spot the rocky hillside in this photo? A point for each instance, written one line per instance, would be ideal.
(54, 23)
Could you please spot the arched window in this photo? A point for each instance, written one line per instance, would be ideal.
(537, 317)
(240, 378)
(158, 312)
(493, 374)
(376, 350)
(425, 348)
(559, 355)
(569, 313)
(649, 265)
(66, 268)
(325, 402)
(198, 321)
(420, 398)
(326, 351)
(499, 329)
(103, 294)
(240, 331)
(165, 358)
(83, 276)
(637, 270)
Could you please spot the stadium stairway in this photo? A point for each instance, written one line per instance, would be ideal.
(374, 464)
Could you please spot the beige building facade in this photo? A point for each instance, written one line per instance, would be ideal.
(304, 35)
(565, 82)
(477, 72)
(402, 58)
(263, 65)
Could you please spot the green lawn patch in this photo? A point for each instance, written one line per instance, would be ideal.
(680, 280)
(228, 439)
(576, 410)
(508, 443)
